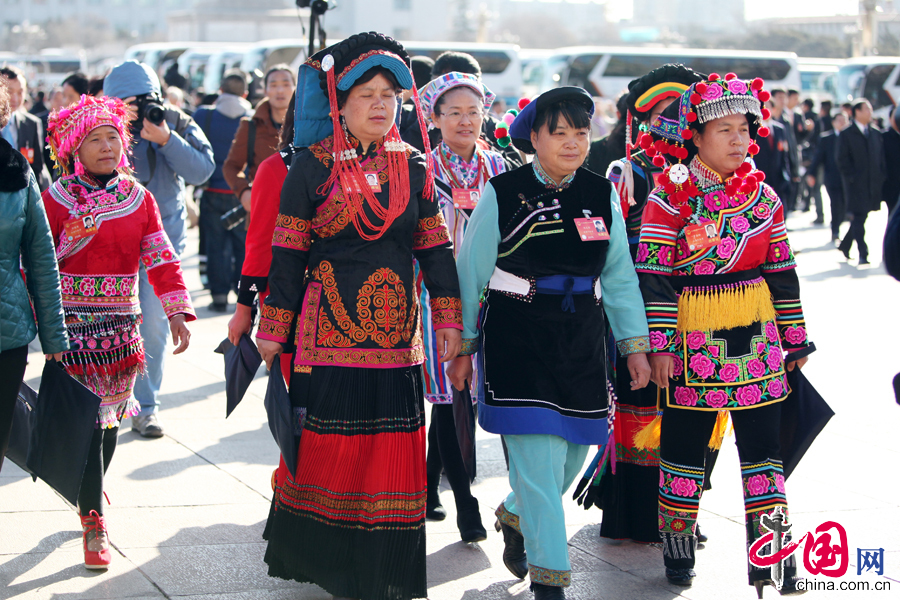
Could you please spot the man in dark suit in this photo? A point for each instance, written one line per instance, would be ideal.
(860, 159)
(772, 159)
(826, 159)
(892, 158)
(786, 118)
(24, 131)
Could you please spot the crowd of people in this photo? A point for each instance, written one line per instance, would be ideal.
(399, 244)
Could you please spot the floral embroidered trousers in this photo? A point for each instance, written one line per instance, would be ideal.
(684, 439)
(541, 468)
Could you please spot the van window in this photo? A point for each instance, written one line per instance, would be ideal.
(580, 71)
(769, 69)
(874, 87)
(491, 62)
(633, 65)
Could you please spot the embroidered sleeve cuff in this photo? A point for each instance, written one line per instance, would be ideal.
(178, 302)
(274, 324)
(446, 312)
(431, 232)
(635, 345)
(469, 346)
(249, 287)
(157, 250)
(292, 233)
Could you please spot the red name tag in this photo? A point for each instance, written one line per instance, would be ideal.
(28, 153)
(701, 236)
(465, 198)
(372, 180)
(75, 229)
(592, 229)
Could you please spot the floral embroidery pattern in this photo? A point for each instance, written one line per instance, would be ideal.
(763, 485)
(106, 286)
(680, 488)
(176, 302)
(156, 250)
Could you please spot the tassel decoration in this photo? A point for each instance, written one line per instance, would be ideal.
(718, 434)
(725, 307)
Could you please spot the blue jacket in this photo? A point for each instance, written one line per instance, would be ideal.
(187, 158)
(220, 123)
(25, 232)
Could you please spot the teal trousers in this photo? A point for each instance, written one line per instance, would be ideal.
(541, 468)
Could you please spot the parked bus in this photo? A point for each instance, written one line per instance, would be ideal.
(501, 69)
(48, 69)
(818, 77)
(606, 71)
(872, 77)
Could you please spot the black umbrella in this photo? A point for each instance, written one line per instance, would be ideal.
(285, 421)
(241, 363)
(804, 414)
(464, 418)
(22, 424)
(62, 427)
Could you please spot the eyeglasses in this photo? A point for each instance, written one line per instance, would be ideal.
(474, 115)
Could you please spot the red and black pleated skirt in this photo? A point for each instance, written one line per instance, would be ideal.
(352, 519)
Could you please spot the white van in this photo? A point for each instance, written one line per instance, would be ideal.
(606, 71)
(872, 77)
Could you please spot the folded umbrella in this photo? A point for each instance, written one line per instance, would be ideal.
(285, 421)
(22, 424)
(464, 418)
(241, 363)
(804, 414)
(64, 423)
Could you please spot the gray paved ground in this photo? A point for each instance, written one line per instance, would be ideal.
(188, 510)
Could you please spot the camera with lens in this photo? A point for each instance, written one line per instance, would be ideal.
(234, 217)
(150, 107)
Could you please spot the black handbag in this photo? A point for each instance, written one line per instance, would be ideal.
(63, 424)
(22, 424)
(285, 421)
(464, 419)
(241, 364)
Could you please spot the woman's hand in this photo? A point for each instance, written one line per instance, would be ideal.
(460, 372)
(639, 369)
(662, 369)
(449, 342)
(181, 335)
(797, 363)
(56, 357)
(240, 323)
(269, 350)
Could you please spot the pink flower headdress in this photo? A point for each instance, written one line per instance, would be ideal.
(68, 127)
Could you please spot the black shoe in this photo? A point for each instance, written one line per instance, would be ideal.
(548, 592)
(682, 577)
(219, 307)
(788, 586)
(845, 250)
(819, 221)
(435, 511)
(514, 551)
(864, 261)
(702, 539)
(468, 521)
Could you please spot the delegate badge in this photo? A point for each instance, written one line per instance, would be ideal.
(465, 198)
(592, 229)
(701, 236)
(28, 153)
(76, 229)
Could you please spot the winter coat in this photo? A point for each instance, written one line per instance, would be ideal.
(25, 232)
(237, 172)
(861, 162)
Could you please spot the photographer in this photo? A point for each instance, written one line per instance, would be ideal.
(222, 241)
(257, 137)
(169, 150)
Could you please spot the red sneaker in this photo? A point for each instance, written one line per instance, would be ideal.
(96, 541)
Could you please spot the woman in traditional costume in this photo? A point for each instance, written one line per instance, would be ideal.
(106, 225)
(533, 243)
(352, 518)
(627, 493)
(722, 310)
(456, 103)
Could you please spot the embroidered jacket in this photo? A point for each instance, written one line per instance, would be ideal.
(724, 312)
(99, 273)
(357, 304)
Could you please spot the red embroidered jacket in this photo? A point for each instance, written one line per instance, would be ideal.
(358, 305)
(99, 273)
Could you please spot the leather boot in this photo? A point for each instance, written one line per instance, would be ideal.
(514, 550)
(96, 541)
(548, 592)
(468, 520)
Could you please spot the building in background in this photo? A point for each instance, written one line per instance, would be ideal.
(671, 20)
